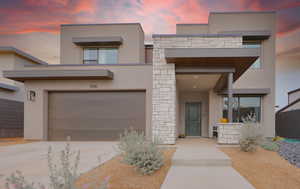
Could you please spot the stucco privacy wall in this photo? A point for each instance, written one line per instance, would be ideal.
(135, 77)
(164, 79)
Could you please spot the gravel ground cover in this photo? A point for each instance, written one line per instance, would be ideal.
(290, 151)
(264, 169)
(123, 176)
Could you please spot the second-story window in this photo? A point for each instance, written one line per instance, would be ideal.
(254, 44)
(100, 55)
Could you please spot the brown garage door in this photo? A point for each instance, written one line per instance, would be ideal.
(91, 116)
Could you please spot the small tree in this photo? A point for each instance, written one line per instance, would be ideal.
(250, 134)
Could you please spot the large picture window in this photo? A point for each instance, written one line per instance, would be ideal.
(100, 55)
(243, 106)
(254, 44)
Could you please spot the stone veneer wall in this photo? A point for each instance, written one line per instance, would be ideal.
(164, 79)
(229, 133)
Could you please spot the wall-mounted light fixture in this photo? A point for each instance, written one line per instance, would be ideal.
(31, 95)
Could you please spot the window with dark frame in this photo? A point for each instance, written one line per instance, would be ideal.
(254, 44)
(100, 55)
(242, 107)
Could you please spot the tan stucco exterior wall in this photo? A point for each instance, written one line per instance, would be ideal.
(131, 51)
(125, 78)
(6, 63)
(11, 61)
(215, 110)
(254, 78)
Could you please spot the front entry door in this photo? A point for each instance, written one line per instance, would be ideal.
(193, 119)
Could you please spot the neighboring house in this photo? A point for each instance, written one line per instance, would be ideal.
(288, 117)
(12, 92)
(109, 80)
(287, 75)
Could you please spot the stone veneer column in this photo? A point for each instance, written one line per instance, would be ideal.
(163, 97)
(164, 80)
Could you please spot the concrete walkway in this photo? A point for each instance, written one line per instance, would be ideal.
(197, 163)
(31, 158)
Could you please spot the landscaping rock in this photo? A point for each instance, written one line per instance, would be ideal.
(290, 152)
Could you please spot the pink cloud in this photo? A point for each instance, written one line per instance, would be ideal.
(191, 11)
(44, 16)
(84, 6)
(155, 15)
(47, 2)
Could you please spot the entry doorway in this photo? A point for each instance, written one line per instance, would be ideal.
(193, 119)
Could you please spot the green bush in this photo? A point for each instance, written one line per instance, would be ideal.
(144, 155)
(250, 134)
(61, 176)
(249, 144)
(270, 145)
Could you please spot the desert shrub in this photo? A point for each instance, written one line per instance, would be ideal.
(17, 181)
(144, 155)
(62, 175)
(270, 145)
(250, 134)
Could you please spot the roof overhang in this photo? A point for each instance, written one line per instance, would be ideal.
(238, 58)
(252, 35)
(22, 54)
(58, 75)
(248, 91)
(202, 70)
(8, 87)
(97, 41)
(256, 35)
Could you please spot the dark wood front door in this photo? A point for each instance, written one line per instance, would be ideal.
(193, 119)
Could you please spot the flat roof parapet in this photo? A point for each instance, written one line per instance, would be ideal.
(198, 35)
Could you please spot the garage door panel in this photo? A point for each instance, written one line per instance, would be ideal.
(94, 115)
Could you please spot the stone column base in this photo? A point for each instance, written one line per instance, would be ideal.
(229, 133)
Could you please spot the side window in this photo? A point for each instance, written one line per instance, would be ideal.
(243, 106)
(254, 44)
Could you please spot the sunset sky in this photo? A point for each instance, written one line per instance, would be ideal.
(33, 25)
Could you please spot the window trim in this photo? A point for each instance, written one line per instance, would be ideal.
(238, 108)
(97, 60)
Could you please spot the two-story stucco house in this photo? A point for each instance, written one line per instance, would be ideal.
(109, 80)
(12, 92)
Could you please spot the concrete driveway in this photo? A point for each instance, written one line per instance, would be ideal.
(31, 158)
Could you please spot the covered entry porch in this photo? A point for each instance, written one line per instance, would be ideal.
(203, 78)
(199, 106)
